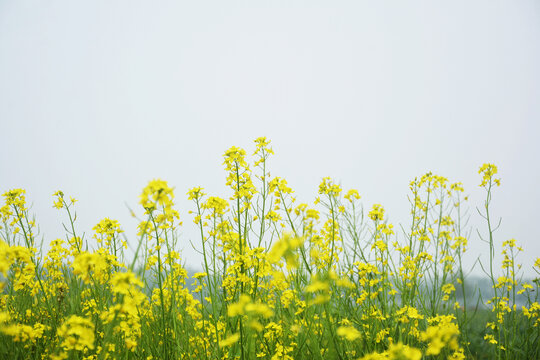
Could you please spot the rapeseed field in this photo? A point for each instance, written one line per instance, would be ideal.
(280, 279)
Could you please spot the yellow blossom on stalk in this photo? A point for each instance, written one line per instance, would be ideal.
(490, 338)
(107, 229)
(348, 332)
(59, 202)
(255, 325)
(272, 216)
(262, 149)
(387, 229)
(312, 214)
(234, 158)
(345, 282)
(195, 193)
(352, 194)
(328, 187)
(525, 287)
(317, 285)
(279, 186)
(287, 296)
(379, 244)
(199, 275)
(85, 264)
(259, 309)
(242, 185)
(156, 193)
(488, 171)
(5, 213)
(533, 313)
(230, 340)
(406, 352)
(458, 186)
(12, 254)
(320, 299)
(122, 283)
(217, 205)
(536, 266)
(77, 333)
(238, 308)
(15, 198)
(285, 247)
(447, 289)
(459, 242)
(376, 213)
(24, 333)
(408, 312)
(443, 334)
(381, 335)
(239, 178)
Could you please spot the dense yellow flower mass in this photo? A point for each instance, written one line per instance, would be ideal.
(279, 279)
(77, 333)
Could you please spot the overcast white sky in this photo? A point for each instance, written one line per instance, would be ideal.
(98, 97)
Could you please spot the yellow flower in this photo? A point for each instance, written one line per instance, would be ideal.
(77, 333)
(85, 264)
(285, 247)
(23, 333)
(401, 351)
(216, 204)
(279, 186)
(381, 245)
(123, 283)
(441, 335)
(348, 332)
(230, 340)
(259, 309)
(15, 198)
(488, 171)
(234, 157)
(59, 203)
(238, 308)
(317, 286)
(376, 213)
(199, 275)
(328, 187)
(448, 289)
(262, 148)
(195, 193)
(107, 230)
(312, 214)
(352, 194)
(156, 193)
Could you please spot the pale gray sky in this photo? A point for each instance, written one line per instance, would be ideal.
(98, 97)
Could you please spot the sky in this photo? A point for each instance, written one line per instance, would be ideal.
(99, 97)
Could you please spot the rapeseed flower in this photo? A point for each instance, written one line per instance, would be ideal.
(77, 333)
(156, 193)
(376, 213)
(348, 332)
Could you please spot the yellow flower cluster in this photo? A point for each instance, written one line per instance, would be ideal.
(488, 171)
(156, 194)
(77, 333)
(376, 213)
